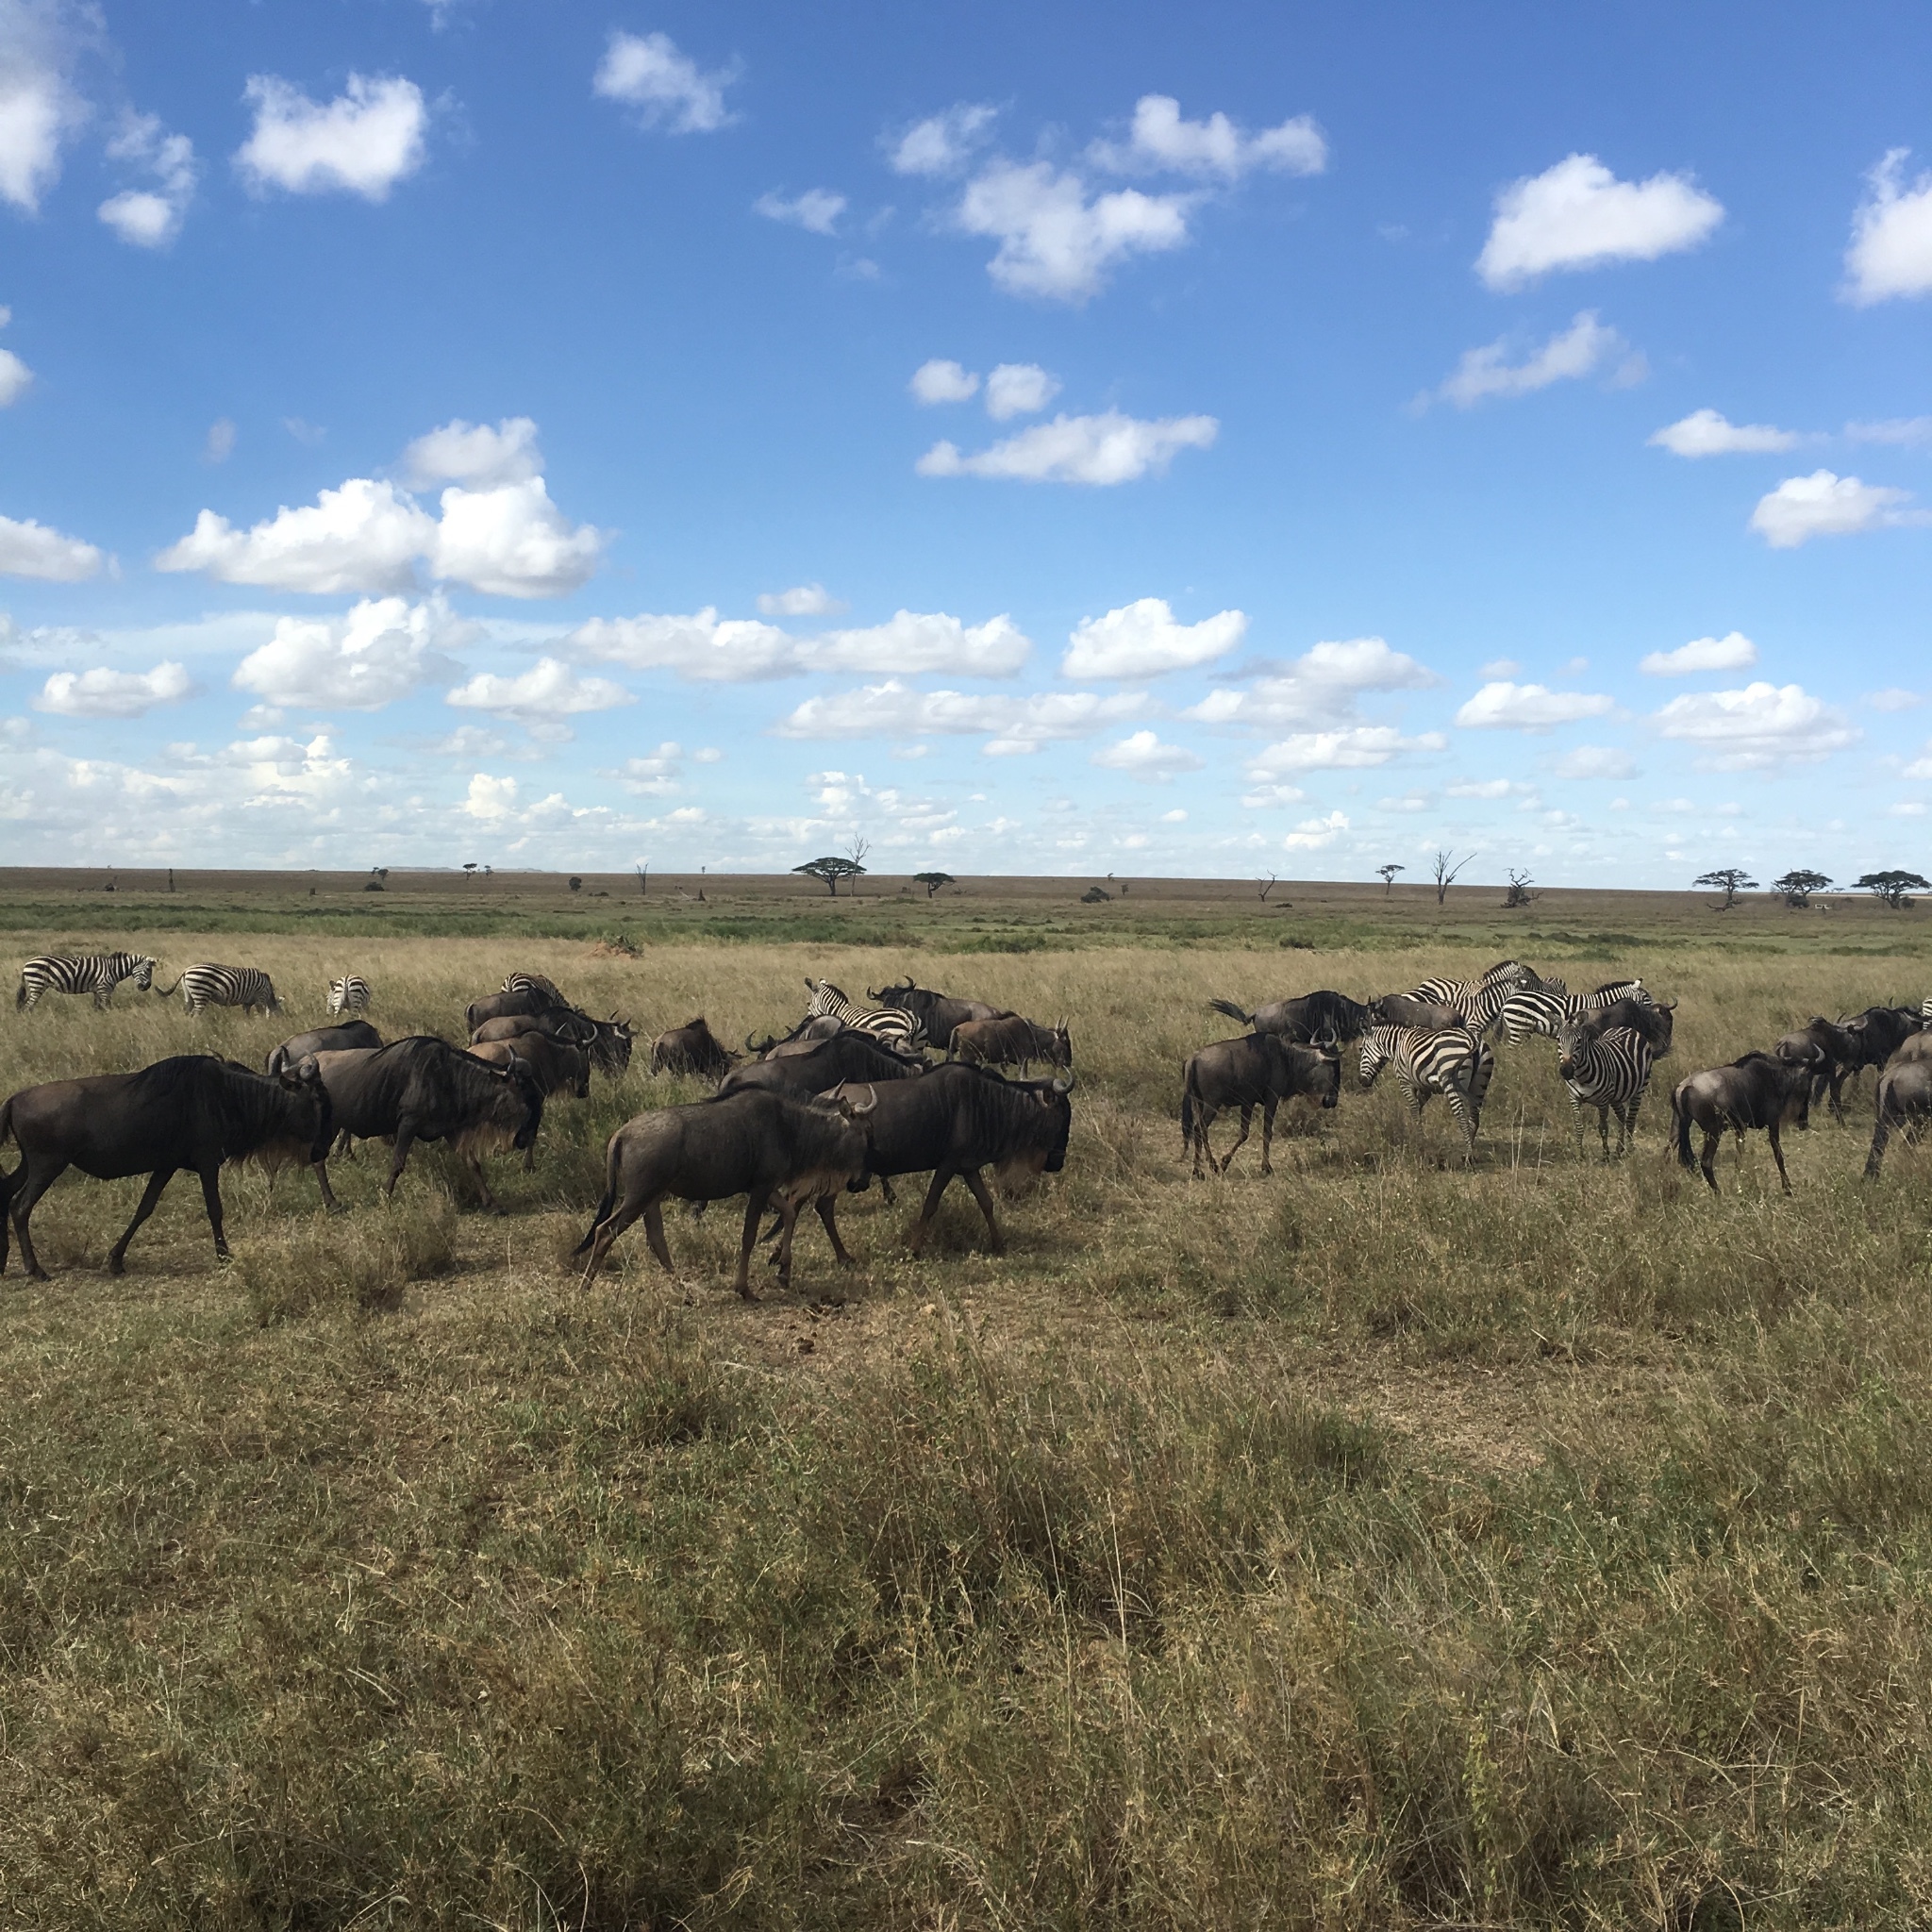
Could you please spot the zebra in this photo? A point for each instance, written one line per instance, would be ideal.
(350, 994)
(1528, 1011)
(1480, 1000)
(891, 1027)
(1453, 1061)
(207, 985)
(97, 972)
(1609, 1072)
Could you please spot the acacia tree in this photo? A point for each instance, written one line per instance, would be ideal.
(1386, 875)
(1519, 893)
(1893, 887)
(1447, 866)
(1730, 880)
(830, 870)
(932, 881)
(1797, 887)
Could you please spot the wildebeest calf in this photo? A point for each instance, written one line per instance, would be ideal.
(1257, 1070)
(194, 1112)
(770, 1147)
(350, 1033)
(1757, 1091)
(693, 1049)
(1011, 1042)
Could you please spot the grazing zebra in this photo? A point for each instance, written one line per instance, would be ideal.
(97, 972)
(205, 984)
(1609, 1072)
(1452, 1061)
(350, 994)
(891, 1027)
(1528, 1011)
(534, 982)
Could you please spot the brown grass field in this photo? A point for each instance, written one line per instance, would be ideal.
(1385, 1543)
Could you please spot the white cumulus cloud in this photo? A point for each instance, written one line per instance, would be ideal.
(701, 646)
(1010, 724)
(656, 776)
(365, 535)
(1505, 707)
(1734, 651)
(491, 799)
(1596, 761)
(15, 377)
(1583, 348)
(943, 381)
(473, 454)
(28, 549)
(364, 142)
(1142, 640)
(1141, 755)
(1704, 433)
(801, 600)
(382, 650)
(1054, 241)
(540, 698)
(40, 109)
(512, 542)
(1162, 139)
(669, 90)
(1757, 728)
(1019, 388)
(1907, 432)
(151, 217)
(1824, 505)
(1578, 215)
(1354, 747)
(1892, 236)
(107, 694)
(916, 640)
(942, 143)
(816, 211)
(1106, 449)
(1320, 687)
(1312, 834)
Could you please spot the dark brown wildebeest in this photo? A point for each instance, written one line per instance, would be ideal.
(802, 1039)
(1757, 1091)
(322, 1040)
(1257, 1070)
(511, 1005)
(961, 1120)
(1404, 1010)
(1011, 1041)
(1878, 1033)
(188, 1114)
(937, 1012)
(1828, 1050)
(1653, 1021)
(693, 1049)
(558, 1067)
(848, 1054)
(771, 1147)
(424, 1088)
(1914, 1046)
(1905, 1101)
(607, 1041)
(1313, 1016)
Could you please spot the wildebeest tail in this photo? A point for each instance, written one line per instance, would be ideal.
(1680, 1129)
(1187, 1106)
(1233, 1011)
(597, 1220)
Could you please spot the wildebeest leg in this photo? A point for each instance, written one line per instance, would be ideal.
(923, 1225)
(1777, 1154)
(27, 1192)
(753, 1210)
(1881, 1133)
(405, 1138)
(788, 1216)
(976, 1180)
(1713, 1140)
(474, 1161)
(1267, 1108)
(150, 1200)
(1837, 1081)
(828, 1214)
(1227, 1158)
(886, 1189)
(602, 1236)
(654, 1235)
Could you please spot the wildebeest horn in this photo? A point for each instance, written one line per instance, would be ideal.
(858, 1111)
(1065, 1086)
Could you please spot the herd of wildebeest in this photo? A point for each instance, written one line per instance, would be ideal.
(851, 1095)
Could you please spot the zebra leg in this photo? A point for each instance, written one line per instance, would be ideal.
(1603, 1127)
(150, 1200)
(1577, 1121)
(1227, 1158)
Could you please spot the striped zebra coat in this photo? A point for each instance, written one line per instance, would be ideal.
(1608, 1071)
(891, 1027)
(208, 984)
(1480, 1000)
(534, 982)
(1452, 1061)
(350, 994)
(1529, 1012)
(97, 972)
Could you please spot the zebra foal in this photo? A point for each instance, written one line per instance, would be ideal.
(1450, 1061)
(891, 1027)
(1608, 1071)
(350, 994)
(208, 984)
(97, 972)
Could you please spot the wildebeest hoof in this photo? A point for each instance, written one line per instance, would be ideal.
(116, 1265)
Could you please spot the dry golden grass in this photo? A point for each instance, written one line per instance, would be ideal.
(1385, 1543)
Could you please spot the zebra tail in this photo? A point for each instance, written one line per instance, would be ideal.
(1680, 1131)
(169, 991)
(1233, 1011)
(20, 994)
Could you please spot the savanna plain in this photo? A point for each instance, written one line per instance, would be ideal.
(1387, 1542)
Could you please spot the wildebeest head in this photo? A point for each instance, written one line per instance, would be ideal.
(311, 1117)
(1329, 1075)
(1044, 1149)
(899, 993)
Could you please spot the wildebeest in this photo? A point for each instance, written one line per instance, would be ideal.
(1011, 1041)
(802, 1039)
(337, 1039)
(1878, 1033)
(1257, 1070)
(1828, 1050)
(1757, 1091)
(846, 1055)
(607, 1041)
(961, 1120)
(691, 1048)
(1404, 1010)
(1654, 1021)
(509, 1006)
(190, 1113)
(937, 1012)
(557, 1066)
(1905, 1101)
(423, 1088)
(773, 1148)
(1310, 1017)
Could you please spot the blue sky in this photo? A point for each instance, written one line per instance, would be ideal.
(1044, 440)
